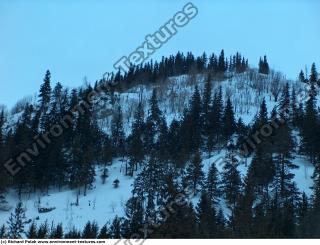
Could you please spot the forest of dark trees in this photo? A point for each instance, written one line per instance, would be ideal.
(265, 204)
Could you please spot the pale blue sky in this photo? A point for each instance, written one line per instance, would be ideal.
(78, 38)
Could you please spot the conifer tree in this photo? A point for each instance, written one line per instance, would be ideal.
(302, 77)
(222, 62)
(231, 181)
(313, 75)
(104, 233)
(229, 120)
(57, 232)
(118, 135)
(3, 232)
(16, 222)
(212, 184)
(206, 217)
(43, 231)
(284, 103)
(194, 178)
(32, 232)
(136, 151)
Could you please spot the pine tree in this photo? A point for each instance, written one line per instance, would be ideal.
(313, 75)
(263, 65)
(104, 233)
(308, 126)
(3, 232)
(90, 230)
(229, 120)
(16, 222)
(222, 62)
(284, 103)
(194, 178)
(43, 231)
(302, 77)
(118, 135)
(115, 228)
(206, 218)
(134, 217)
(57, 232)
(136, 152)
(282, 152)
(231, 181)
(242, 222)
(73, 234)
(212, 184)
(32, 232)
(262, 167)
(45, 92)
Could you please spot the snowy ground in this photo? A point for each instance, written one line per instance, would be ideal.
(104, 202)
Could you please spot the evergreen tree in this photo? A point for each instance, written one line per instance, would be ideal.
(115, 228)
(206, 218)
(194, 178)
(43, 231)
(3, 232)
(229, 120)
(212, 184)
(90, 230)
(284, 103)
(136, 151)
(309, 126)
(57, 232)
(242, 222)
(32, 232)
(302, 77)
(118, 135)
(104, 233)
(45, 92)
(231, 181)
(263, 65)
(73, 234)
(222, 62)
(16, 222)
(313, 75)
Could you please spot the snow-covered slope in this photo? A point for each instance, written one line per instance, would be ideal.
(103, 202)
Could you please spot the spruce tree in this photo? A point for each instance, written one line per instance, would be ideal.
(104, 233)
(117, 131)
(194, 178)
(3, 232)
(284, 103)
(231, 181)
(229, 120)
(57, 232)
(43, 231)
(136, 151)
(16, 222)
(206, 217)
(212, 184)
(222, 62)
(32, 232)
(313, 75)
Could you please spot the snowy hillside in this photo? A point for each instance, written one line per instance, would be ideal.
(103, 202)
